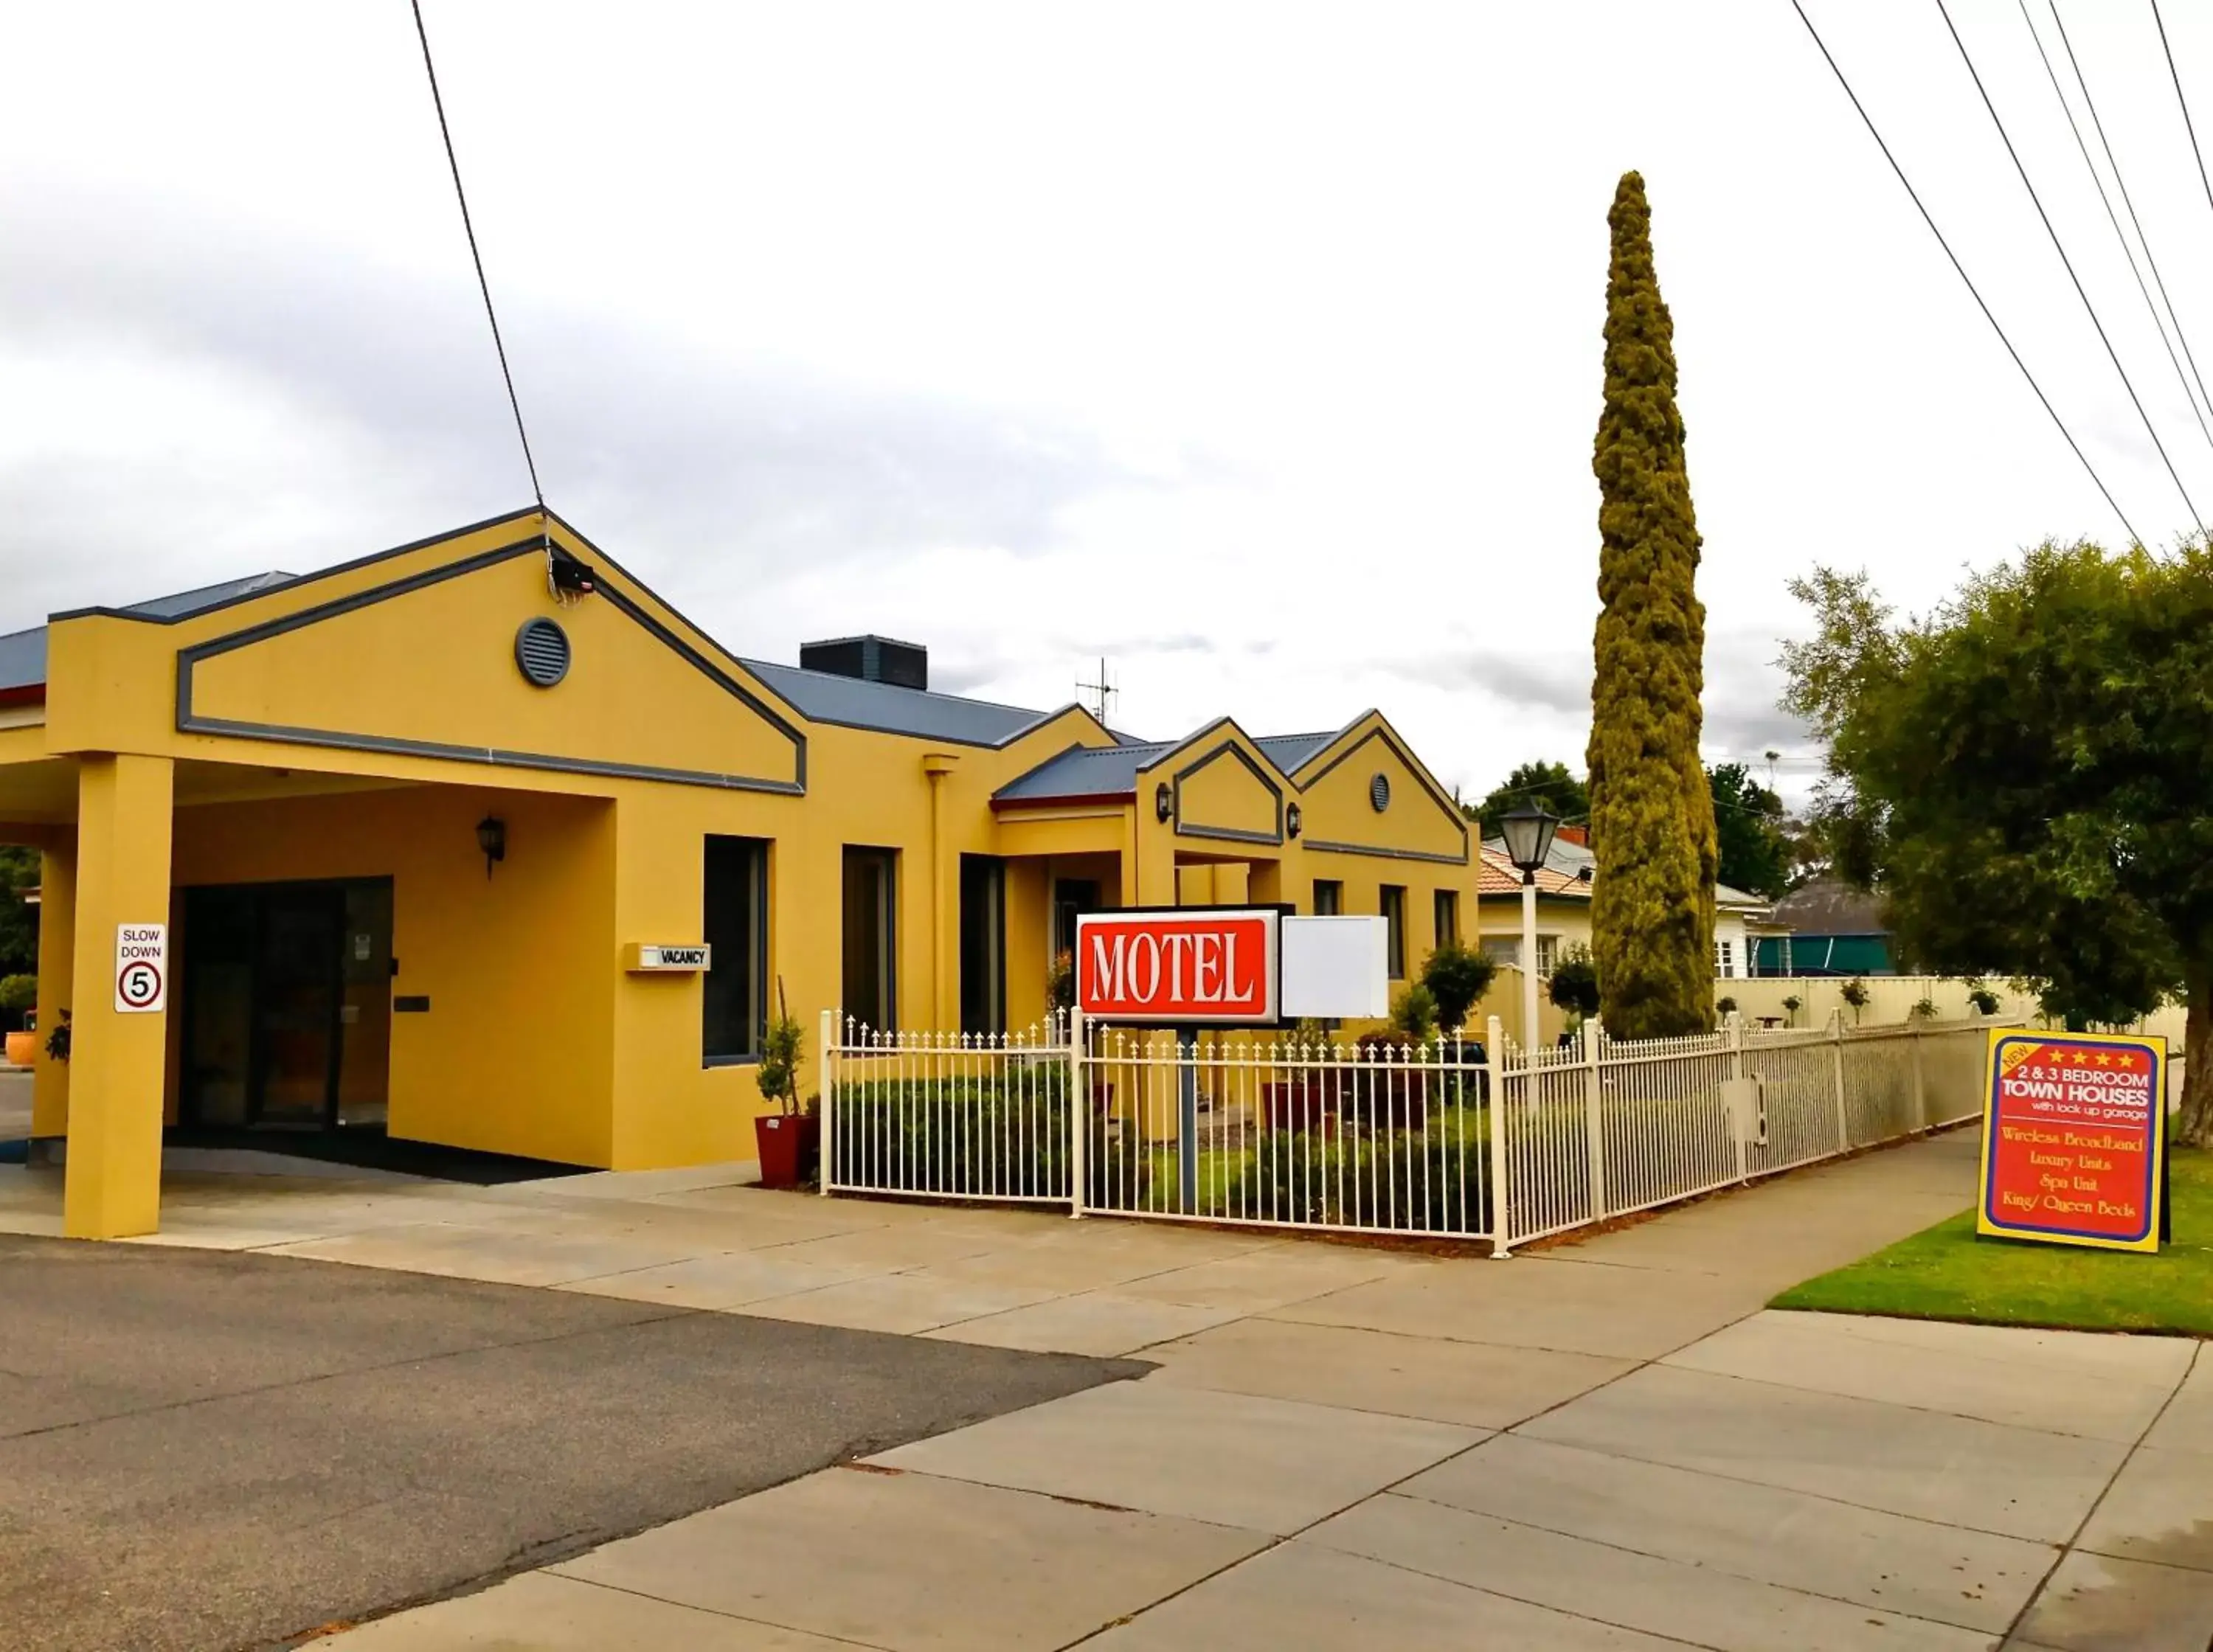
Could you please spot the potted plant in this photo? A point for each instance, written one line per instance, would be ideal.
(19, 994)
(1855, 993)
(1791, 1006)
(788, 1140)
(1981, 999)
(1725, 1007)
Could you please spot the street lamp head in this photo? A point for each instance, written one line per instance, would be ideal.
(1528, 829)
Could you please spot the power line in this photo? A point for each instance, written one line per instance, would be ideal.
(2180, 336)
(2059, 248)
(1975, 292)
(2188, 125)
(483, 286)
(2111, 217)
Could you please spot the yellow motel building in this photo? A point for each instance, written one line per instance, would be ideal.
(416, 824)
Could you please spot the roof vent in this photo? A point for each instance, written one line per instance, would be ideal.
(872, 658)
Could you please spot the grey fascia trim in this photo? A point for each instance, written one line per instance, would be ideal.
(297, 580)
(1045, 717)
(1177, 747)
(1382, 731)
(492, 756)
(1388, 854)
(1229, 834)
(1322, 750)
(189, 722)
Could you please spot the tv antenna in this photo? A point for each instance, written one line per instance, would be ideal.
(1101, 694)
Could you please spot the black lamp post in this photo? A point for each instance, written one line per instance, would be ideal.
(1528, 829)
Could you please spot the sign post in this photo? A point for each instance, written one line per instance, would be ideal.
(142, 969)
(2074, 1138)
(1181, 967)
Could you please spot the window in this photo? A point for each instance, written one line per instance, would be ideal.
(1071, 898)
(1447, 911)
(1390, 901)
(983, 944)
(1725, 959)
(1548, 952)
(734, 1001)
(1329, 897)
(871, 880)
(1502, 951)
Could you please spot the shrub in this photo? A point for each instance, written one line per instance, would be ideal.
(1725, 1006)
(781, 1046)
(1456, 977)
(1984, 1001)
(1060, 982)
(18, 993)
(1415, 1013)
(1574, 984)
(1855, 993)
(1924, 1009)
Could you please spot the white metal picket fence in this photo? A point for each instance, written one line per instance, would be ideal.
(1435, 1140)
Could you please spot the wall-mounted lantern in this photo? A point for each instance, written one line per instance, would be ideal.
(492, 837)
(1295, 820)
(1163, 802)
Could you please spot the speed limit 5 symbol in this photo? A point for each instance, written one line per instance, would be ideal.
(139, 986)
(142, 967)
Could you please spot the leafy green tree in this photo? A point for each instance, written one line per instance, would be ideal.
(1457, 976)
(1652, 812)
(19, 921)
(2024, 775)
(1751, 831)
(1552, 785)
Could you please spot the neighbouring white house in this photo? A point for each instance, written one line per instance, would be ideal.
(1564, 901)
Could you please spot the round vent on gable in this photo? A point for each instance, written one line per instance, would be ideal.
(541, 649)
(1379, 792)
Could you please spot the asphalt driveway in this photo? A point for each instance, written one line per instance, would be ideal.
(204, 1450)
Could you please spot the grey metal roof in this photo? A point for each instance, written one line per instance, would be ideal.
(1572, 857)
(1112, 771)
(23, 653)
(23, 658)
(1289, 753)
(1087, 772)
(826, 697)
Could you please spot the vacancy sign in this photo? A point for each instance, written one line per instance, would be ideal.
(2074, 1127)
(142, 967)
(1181, 966)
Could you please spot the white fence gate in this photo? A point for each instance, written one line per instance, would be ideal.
(1441, 1140)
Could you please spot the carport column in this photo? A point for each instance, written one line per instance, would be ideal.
(116, 1060)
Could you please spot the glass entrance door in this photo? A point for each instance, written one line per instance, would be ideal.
(296, 1004)
(287, 1004)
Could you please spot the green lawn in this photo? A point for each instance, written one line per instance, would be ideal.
(1945, 1272)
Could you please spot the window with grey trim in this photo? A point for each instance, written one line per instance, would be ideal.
(983, 944)
(1447, 917)
(1329, 897)
(734, 922)
(1390, 901)
(871, 888)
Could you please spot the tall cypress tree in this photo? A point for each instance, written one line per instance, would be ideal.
(1651, 812)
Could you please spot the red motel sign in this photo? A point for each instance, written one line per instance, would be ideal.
(2073, 1131)
(1216, 967)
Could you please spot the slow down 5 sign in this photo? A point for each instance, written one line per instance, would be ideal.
(1181, 967)
(142, 967)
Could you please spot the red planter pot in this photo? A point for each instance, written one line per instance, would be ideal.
(790, 1144)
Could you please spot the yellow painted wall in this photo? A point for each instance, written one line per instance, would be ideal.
(516, 1052)
(1218, 793)
(537, 1041)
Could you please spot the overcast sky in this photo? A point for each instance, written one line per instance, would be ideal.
(1254, 348)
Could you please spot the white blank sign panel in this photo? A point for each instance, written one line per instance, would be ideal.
(1336, 967)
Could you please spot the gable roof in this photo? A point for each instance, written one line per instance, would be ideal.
(1082, 772)
(23, 653)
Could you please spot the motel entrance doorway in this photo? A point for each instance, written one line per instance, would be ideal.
(287, 1019)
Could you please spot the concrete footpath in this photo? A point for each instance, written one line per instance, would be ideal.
(1606, 1445)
